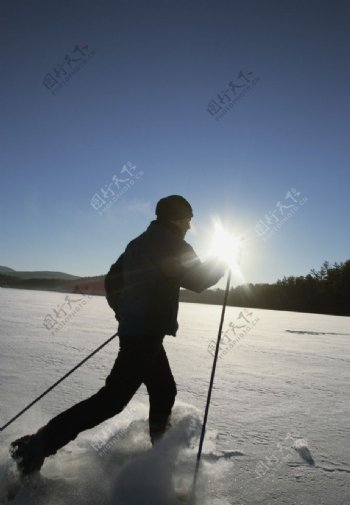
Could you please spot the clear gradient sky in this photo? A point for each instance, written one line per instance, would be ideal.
(142, 97)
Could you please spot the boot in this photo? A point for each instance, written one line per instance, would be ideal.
(157, 430)
(28, 454)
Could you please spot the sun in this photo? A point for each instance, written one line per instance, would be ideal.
(226, 246)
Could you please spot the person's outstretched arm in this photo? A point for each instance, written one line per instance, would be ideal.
(190, 272)
(197, 275)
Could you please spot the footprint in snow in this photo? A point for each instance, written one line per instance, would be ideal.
(302, 449)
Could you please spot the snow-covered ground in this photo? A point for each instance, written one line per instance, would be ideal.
(280, 406)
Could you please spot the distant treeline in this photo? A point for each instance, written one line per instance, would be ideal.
(326, 291)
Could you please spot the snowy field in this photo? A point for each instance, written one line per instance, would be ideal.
(278, 429)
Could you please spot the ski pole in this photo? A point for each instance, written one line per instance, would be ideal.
(56, 383)
(211, 380)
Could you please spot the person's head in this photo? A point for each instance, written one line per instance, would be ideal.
(177, 210)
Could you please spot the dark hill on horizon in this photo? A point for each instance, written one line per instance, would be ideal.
(51, 281)
(6, 269)
(41, 274)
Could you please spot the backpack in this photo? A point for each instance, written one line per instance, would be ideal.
(114, 284)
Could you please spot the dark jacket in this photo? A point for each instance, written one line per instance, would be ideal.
(154, 267)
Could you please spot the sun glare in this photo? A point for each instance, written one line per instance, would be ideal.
(227, 247)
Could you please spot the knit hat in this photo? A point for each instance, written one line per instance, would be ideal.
(173, 207)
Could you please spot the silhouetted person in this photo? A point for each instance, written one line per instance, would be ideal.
(153, 268)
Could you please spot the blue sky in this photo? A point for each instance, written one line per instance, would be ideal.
(142, 98)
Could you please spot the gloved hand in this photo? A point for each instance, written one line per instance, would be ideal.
(221, 266)
(218, 266)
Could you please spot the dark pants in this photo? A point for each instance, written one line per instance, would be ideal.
(135, 364)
